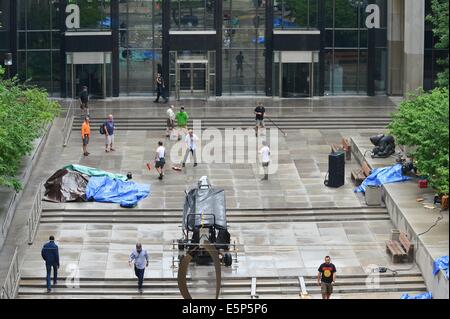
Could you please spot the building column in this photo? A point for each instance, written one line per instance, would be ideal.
(115, 47)
(166, 45)
(321, 25)
(218, 18)
(268, 40)
(414, 37)
(12, 38)
(395, 46)
(62, 49)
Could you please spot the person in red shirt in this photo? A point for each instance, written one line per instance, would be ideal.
(85, 135)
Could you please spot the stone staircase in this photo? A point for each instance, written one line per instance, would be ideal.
(168, 216)
(347, 286)
(295, 122)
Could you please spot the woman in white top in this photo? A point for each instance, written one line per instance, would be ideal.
(160, 159)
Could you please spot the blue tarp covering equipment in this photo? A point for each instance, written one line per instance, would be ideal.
(384, 175)
(425, 295)
(112, 190)
(441, 263)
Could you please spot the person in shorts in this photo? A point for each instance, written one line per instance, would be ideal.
(85, 135)
(109, 127)
(265, 160)
(326, 277)
(259, 113)
(170, 120)
(160, 159)
(182, 118)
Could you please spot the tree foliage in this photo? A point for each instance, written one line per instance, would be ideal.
(422, 122)
(439, 20)
(24, 113)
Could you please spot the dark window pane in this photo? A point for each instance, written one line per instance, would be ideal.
(346, 39)
(38, 15)
(38, 40)
(346, 13)
(39, 69)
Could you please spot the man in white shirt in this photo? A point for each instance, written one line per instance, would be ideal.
(191, 144)
(170, 120)
(160, 159)
(140, 259)
(265, 159)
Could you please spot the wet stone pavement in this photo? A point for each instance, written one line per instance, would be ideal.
(264, 249)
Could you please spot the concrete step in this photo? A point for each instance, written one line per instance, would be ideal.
(230, 220)
(231, 122)
(280, 291)
(242, 216)
(373, 295)
(63, 208)
(226, 283)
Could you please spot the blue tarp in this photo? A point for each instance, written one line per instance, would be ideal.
(441, 263)
(425, 295)
(112, 190)
(384, 175)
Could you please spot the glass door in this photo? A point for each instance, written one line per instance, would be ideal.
(191, 78)
(90, 75)
(91, 71)
(296, 80)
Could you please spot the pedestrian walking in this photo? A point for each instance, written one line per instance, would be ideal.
(140, 259)
(182, 118)
(265, 159)
(170, 120)
(109, 128)
(84, 99)
(85, 135)
(191, 143)
(326, 277)
(259, 113)
(50, 254)
(240, 64)
(160, 159)
(160, 86)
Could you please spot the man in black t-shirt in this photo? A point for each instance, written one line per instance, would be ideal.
(326, 277)
(259, 112)
(84, 99)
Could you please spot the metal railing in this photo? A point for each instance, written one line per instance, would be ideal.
(11, 284)
(68, 122)
(35, 215)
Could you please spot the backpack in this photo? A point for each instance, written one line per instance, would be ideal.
(102, 129)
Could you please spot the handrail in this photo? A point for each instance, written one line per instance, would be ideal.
(35, 215)
(253, 294)
(9, 288)
(67, 126)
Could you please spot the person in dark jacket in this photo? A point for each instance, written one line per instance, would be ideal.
(50, 254)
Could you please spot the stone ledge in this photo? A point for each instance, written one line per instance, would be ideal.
(412, 218)
(9, 198)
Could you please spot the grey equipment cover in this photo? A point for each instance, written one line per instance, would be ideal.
(207, 202)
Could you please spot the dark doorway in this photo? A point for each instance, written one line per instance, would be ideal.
(296, 80)
(90, 75)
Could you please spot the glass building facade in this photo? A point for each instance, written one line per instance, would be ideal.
(285, 48)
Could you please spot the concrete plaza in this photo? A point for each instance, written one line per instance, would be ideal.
(265, 249)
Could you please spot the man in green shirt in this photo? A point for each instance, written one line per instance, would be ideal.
(182, 120)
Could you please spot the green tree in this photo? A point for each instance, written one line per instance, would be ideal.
(422, 123)
(24, 113)
(439, 20)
